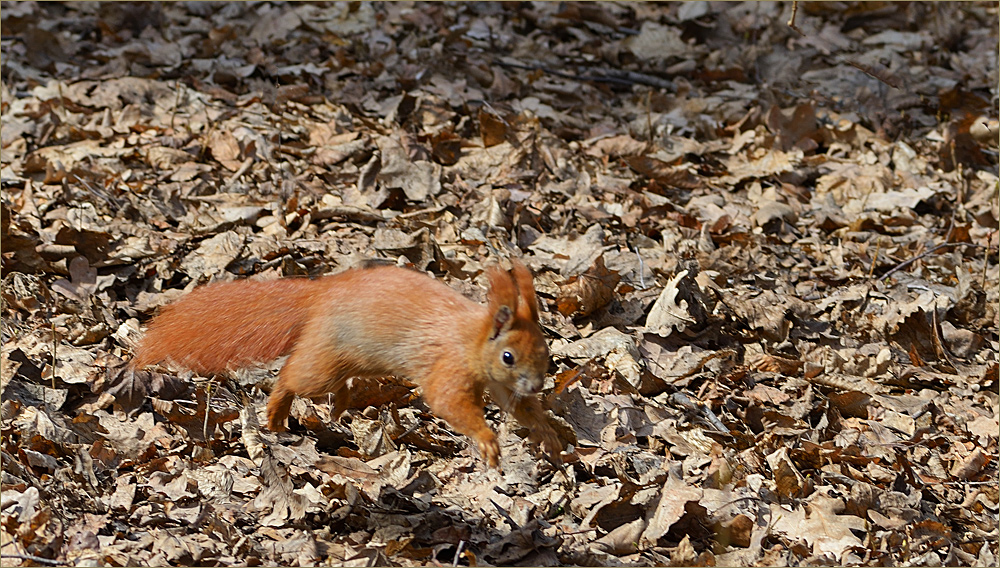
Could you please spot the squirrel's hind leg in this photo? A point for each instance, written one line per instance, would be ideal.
(278, 406)
(306, 376)
(341, 400)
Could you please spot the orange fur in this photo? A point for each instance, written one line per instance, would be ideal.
(372, 322)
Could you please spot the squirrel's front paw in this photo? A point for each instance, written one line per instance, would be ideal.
(550, 442)
(490, 450)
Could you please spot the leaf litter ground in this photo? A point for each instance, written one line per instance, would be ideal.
(766, 256)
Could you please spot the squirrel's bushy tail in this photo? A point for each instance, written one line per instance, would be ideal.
(228, 325)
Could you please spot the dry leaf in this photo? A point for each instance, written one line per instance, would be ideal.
(588, 292)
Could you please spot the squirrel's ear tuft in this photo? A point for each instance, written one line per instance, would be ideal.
(514, 290)
(503, 299)
(503, 289)
(527, 303)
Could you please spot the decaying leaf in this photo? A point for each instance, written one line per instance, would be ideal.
(588, 292)
(668, 314)
(674, 496)
(821, 524)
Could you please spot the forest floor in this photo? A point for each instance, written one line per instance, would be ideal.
(766, 255)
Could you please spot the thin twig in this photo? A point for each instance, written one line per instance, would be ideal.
(701, 408)
(986, 257)
(938, 344)
(642, 280)
(614, 76)
(113, 203)
(34, 558)
(177, 102)
(208, 407)
(906, 263)
(573, 533)
(791, 20)
(877, 72)
(740, 500)
(244, 167)
(649, 116)
(871, 269)
(52, 323)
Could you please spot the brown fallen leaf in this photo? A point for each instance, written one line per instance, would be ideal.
(194, 420)
(789, 482)
(668, 312)
(820, 524)
(736, 532)
(971, 465)
(446, 147)
(582, 295)
(774, 364)
(622, 540)
(492, 128)
(225, 149)
(674, 495)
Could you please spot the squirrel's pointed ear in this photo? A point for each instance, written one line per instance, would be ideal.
(527, 303)
(501, 321)
(503, 300)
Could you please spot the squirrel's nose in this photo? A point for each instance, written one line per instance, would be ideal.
(528, 385)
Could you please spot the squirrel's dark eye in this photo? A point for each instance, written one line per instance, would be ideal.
(507, 358)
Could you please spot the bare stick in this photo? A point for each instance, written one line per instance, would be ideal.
(938, 344)
(906, 263)
(34, 558)
(177, 102)
(871, 269)
(878, 72)
(208, 407)
(791, 20)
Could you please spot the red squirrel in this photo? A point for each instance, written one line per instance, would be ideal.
(371, 322)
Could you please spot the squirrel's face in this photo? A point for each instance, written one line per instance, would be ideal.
(515, 350)
(520, 359)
